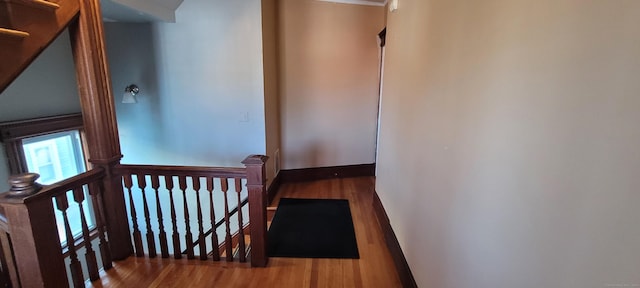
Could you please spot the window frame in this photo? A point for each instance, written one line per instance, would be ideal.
(12, 133)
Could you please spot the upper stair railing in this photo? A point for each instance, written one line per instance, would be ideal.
(162, 200)
(192, 211)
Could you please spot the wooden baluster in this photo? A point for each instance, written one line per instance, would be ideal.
(137, 238)
(9, 268)
(177, 254)
(76, 268)
(89, 255)
(151, 243)
(214, 235)
(241, 244)
(182, 180)
(164, 248)
(201, 239)
(227, 240)
(95, 191)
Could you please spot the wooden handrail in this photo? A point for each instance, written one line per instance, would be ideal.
(217, 172)
(64, 186)
(59, 188)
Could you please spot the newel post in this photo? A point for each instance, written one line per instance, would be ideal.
(32, 227)
(256, 186)
(99, 115)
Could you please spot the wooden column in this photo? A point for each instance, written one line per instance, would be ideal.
(98, 109)
(32, 225)
(256, 185)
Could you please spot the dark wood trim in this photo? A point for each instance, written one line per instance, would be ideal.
(274, 188)
(100, 126)
(8, 260)
(15, 156)
(235, 240)
(383, 37)
(218, 224)
(38, 259)
(320, 173)
(404, 271)
(12, 133)
(256, 186)
(15, 130)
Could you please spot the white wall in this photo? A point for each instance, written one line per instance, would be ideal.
(328, 61)
(47, 87)
(163, 10)
(134, 64)
(509, 146)
(207, 74)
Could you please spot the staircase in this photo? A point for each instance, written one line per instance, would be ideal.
(27, 27)
(31, 253)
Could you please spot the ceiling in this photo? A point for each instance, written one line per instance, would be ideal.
(139, 10)
(360, 2)
(164, 10)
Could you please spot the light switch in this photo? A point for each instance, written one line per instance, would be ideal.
(244, 116)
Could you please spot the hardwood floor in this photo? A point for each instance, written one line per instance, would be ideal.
(375, 267)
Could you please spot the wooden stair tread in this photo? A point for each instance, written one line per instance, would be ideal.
(42, 26)
(40, 4)
(13, 33)
(46, 4)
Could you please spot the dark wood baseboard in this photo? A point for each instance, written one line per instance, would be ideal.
(406, 277)
(273, 189)
(321, 173)
(318, 173)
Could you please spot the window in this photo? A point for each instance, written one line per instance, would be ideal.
(55, 157)
(51, 147)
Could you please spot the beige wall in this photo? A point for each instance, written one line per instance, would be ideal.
(271, 96)
(329, 82)
(509, 149)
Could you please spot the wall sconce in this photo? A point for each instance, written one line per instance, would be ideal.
(393, 5)
(129, 96)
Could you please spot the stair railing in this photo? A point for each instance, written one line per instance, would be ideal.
(38, 244)
(34, 246)
(199, 212)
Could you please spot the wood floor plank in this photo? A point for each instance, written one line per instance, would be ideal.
(374, 268)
